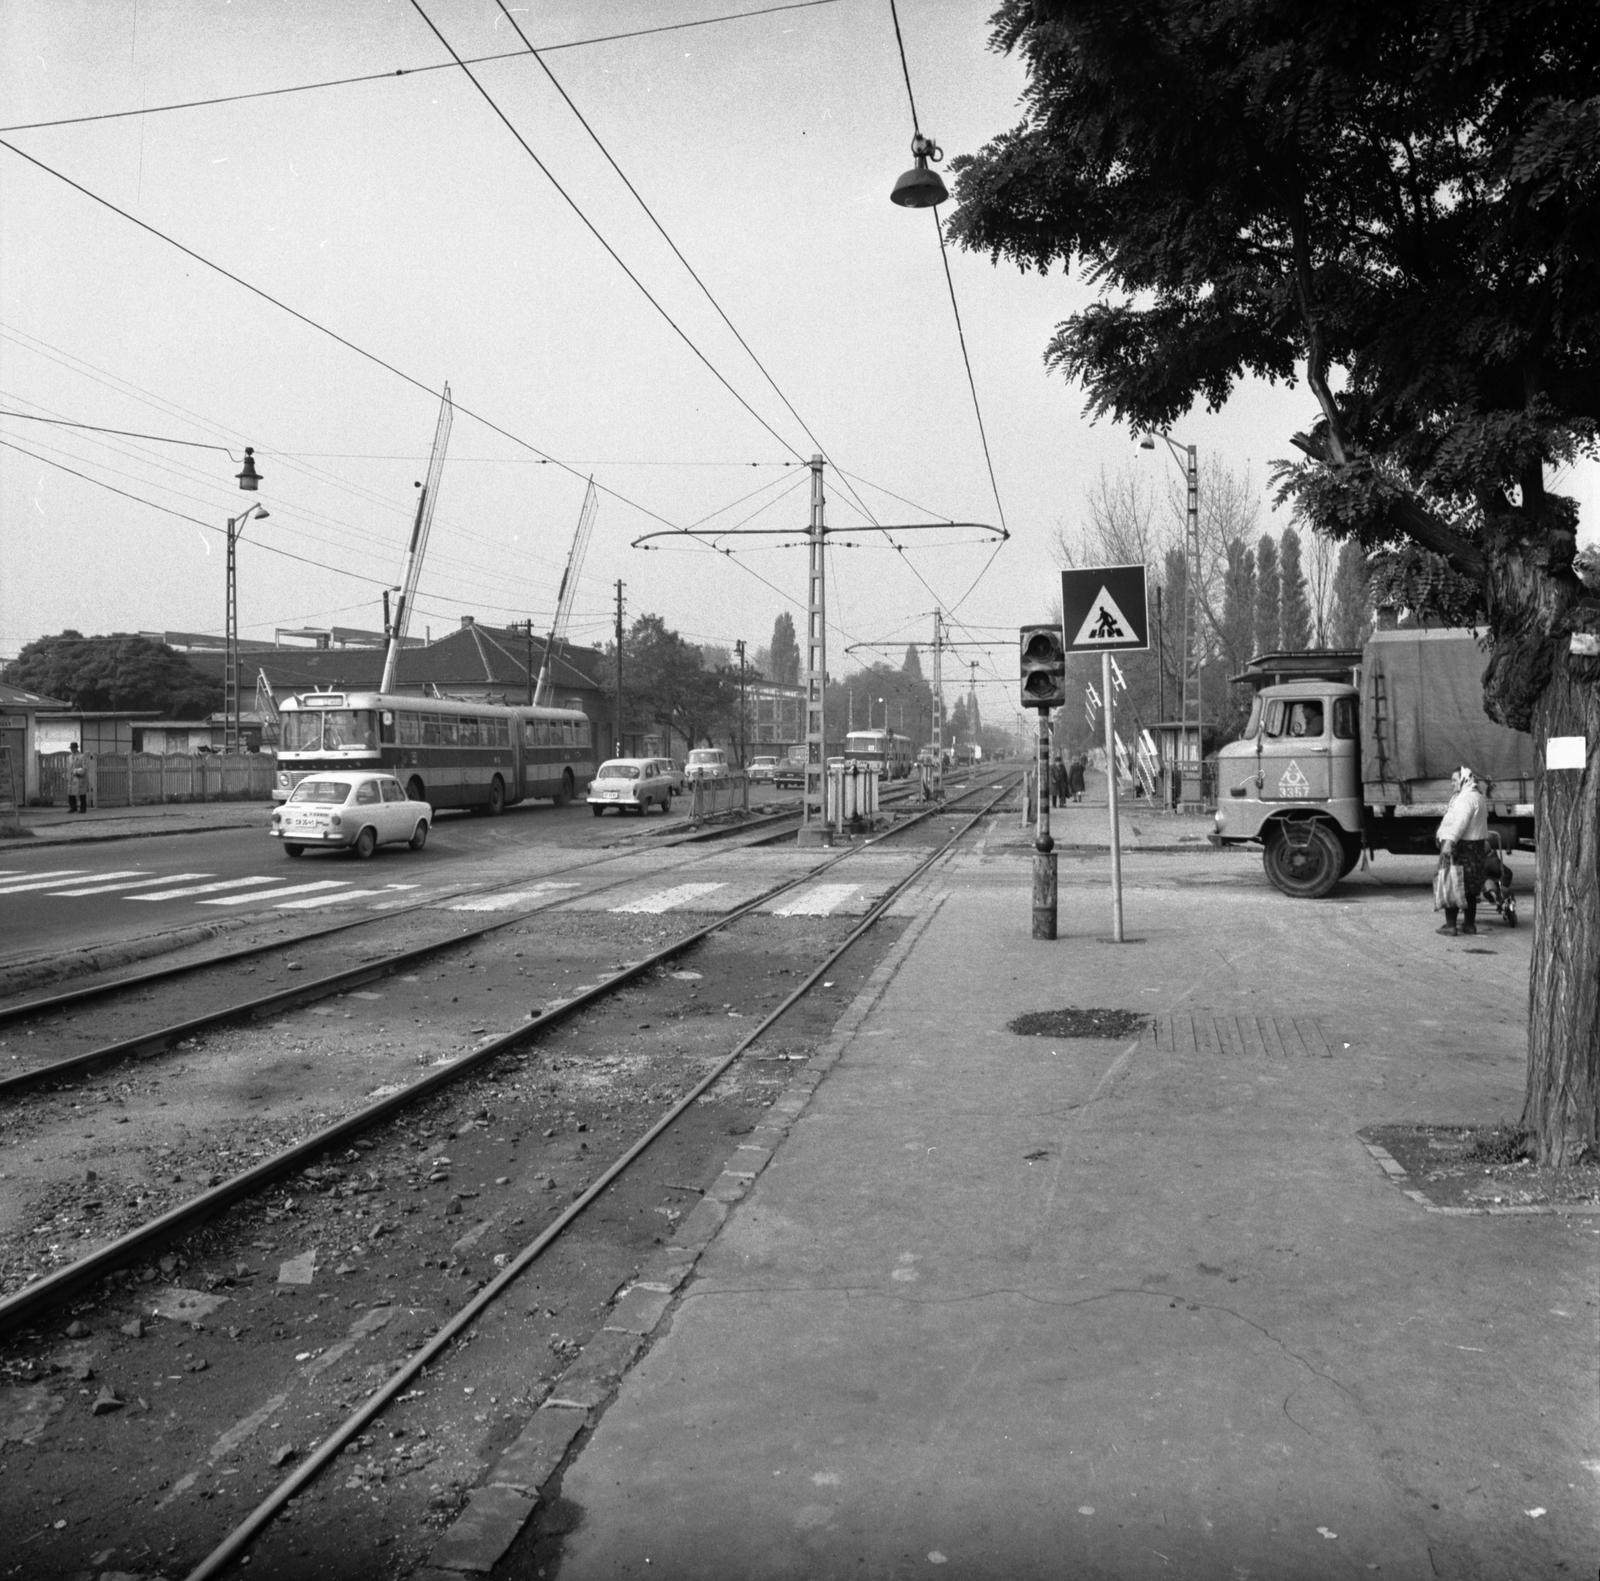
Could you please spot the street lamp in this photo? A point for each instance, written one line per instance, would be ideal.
(919, 187)
(249, 481)
(1188, 659)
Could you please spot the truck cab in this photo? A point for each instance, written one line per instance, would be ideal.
(1293, 782)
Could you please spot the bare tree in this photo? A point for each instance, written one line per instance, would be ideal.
(1321, 557)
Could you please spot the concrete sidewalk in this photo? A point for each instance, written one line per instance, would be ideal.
(1007, 1306)
(42, 826)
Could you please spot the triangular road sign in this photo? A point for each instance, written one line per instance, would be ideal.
(1105, 626)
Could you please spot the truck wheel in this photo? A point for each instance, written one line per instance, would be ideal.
(1304, 860)
(1352, 855)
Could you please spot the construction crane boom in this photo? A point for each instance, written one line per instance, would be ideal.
(569, 590)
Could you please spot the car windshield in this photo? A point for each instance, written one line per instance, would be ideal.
(327, 793)
(618, 771)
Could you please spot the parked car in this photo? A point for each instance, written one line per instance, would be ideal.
(350, 810)
(631, 785)
(706, 763)
(763, 768)
(791, 770)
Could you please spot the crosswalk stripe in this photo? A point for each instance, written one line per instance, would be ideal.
(130, 883)
(274, 894)
(202, 889)
(510, 902)
(819, 901)
(668, 899)
(344, 894)
(43, 880)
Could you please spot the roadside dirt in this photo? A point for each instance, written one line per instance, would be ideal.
(1477, 1166)
(138, 1426)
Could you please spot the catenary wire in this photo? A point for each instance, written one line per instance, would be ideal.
(594, 231)
(408, 71)
(126, 433)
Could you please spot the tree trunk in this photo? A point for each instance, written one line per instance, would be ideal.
(1562, 1105)
(1534, 682)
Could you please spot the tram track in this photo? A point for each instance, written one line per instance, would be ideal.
(161, 1039)
(41, 1295)
(239, 1540)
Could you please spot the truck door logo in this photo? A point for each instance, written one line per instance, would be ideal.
(1294, 782)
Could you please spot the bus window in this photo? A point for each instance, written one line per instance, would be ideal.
(348, 727)
(500, 732)
(448, 736)
(583, 732)
(527, 732)
(410, 728)
(386, 727)
(302, 732)
(468, 732)
(567, 732)
(541, 732)
(432, 735)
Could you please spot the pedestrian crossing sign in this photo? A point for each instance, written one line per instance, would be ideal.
(1103, 609)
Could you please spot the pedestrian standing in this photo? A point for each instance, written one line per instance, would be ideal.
(1463, 843)
(1075, 779)
(77, 781)
(1058, 781)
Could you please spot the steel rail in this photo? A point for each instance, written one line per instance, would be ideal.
(161, 1039)
(240, 1538)
(53, 1288)
(98, 990)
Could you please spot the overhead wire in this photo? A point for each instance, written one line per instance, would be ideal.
(409, 71)
(594, 231)
(677, 252)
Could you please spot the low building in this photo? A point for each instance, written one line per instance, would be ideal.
(19, 741)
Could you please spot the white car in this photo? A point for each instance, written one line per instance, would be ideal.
(707, 763)
(349, 810)
(764, 768)
(631, 784)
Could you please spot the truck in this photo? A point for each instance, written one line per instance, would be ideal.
(1351, 751)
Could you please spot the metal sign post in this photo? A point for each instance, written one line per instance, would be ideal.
(1111, 799)
(1104, 609)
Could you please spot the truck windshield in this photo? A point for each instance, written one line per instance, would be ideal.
(1297, 720)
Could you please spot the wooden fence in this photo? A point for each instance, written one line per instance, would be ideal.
(132, 779)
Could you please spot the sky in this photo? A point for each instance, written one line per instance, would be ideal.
(403, 215)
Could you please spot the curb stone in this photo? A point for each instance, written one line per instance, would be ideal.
(19, 976)
(1386, 1161)
(499, 1507)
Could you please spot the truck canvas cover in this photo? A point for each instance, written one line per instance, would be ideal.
(1422, 717)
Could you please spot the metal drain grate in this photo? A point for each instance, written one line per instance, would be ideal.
(1258, 1037)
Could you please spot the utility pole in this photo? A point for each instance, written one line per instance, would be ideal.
(813, 810)
(740, 646)
(618, 732)
(938, 705)
(1191, 614)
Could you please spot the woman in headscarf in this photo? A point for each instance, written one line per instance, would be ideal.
(1463, 842)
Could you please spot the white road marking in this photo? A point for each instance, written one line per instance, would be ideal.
(42, 880)
(668, 899)
(510, 902)
(276, 894)
(315, 900)
(133, 883)
(202, 889)
(819, 901)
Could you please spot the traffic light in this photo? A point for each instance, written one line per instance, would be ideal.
(1044, 667)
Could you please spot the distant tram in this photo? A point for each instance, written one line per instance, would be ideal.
(892, 755)
(446, 751)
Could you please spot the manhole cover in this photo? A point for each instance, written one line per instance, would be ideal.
(1072, 1023)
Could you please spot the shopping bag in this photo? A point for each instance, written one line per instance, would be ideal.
(1441, 887)
(1457, 891)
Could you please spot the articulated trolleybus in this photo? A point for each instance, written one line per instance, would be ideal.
(446, 751)
(890, 754)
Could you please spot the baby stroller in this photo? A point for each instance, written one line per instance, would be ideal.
(1497, 881)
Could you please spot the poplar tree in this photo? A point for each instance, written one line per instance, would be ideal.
(1294, 630)
(1268, 633)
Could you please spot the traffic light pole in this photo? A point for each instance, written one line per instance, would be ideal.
(1111, 801)
(1044, 848)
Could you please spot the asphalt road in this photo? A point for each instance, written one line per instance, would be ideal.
(70, 896)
